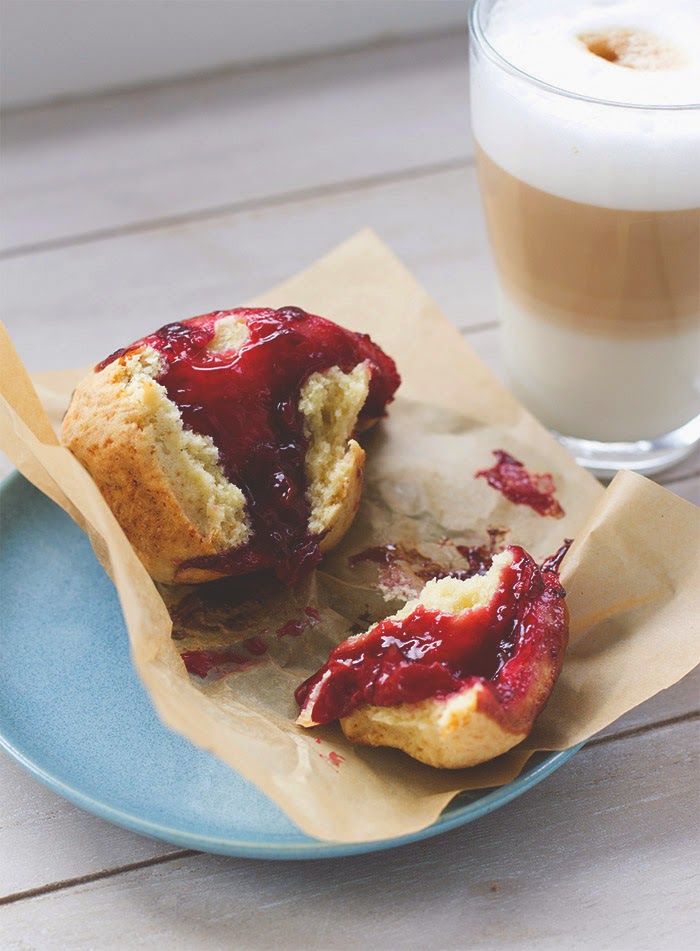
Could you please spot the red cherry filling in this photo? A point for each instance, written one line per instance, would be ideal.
(510, 477)
(247, 401)
(433, 654)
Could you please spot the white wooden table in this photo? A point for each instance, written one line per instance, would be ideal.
(123, 212)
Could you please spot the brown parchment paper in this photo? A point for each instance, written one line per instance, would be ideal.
(632, 574)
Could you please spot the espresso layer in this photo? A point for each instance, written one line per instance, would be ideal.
(599, 270)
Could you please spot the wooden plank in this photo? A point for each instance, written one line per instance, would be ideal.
(107, 292)
(146, 42)
(192, 147)
(50, 840)
(606, 846)
(688, 488)
(39, 817)
(684, 479)
(73, 305)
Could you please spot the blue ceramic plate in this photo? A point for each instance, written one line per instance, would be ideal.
(73, 712)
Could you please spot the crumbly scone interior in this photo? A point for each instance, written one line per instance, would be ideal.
(330, 403)
(447, 595)
(214, 505)
(449, 732)
(230, 333)
(454, 595)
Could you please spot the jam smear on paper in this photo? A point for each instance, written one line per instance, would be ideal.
(480, 557)
(247, 401)
(394, 559)
(203, 663)
(510, 477)
(296, 626)
(255, 646)
(421, 565)
(229, 660)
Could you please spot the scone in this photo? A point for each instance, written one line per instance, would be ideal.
(224, 444)
(459, 675)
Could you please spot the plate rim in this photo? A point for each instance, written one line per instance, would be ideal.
(450, 818)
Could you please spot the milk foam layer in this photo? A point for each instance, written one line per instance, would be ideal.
(585, 151)
(541, 37)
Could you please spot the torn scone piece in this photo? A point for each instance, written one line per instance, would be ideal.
(224, 444)
(459, 675)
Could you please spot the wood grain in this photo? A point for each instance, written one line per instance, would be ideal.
(124, 212)
(87, 845)
(107, 293)
(581, 856)
(51, 840)
(191, 148)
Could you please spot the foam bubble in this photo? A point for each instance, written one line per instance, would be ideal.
(635, 52)
(660, 41)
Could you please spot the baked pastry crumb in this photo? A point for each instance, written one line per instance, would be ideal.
(249, 473)
(459, 675)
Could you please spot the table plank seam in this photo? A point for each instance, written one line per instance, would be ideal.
(70, 883)
(636, 731)
(214, 212)
(263, 65)
(94, 876)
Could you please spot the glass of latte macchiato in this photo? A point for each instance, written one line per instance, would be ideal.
(586, 116)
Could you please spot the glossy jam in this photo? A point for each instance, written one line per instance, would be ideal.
(432, 654)
(247, 400)
(479, 557)
(255, 645)
(521, 487)
(553, 563)
(296, 626)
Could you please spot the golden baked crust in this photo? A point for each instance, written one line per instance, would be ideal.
(164, 483)
(110, 431)
(450, 733)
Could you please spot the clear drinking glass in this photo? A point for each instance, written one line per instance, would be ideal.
(593, 212)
